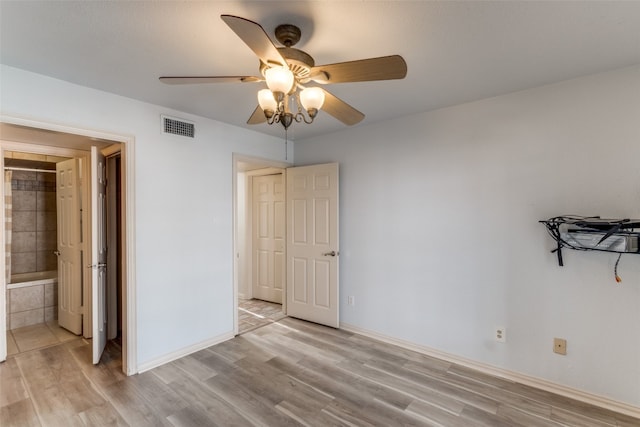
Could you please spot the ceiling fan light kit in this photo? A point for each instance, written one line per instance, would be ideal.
(267, 102)
(312, 98)
(283, 93)
(286, 70)
(279, 79)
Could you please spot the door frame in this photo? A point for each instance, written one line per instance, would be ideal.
(129, 328)
(252, 166)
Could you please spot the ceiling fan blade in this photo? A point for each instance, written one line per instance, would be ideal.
(183, 80)
(257, 117)
(363, 70)
(341, 110)
(256, 38)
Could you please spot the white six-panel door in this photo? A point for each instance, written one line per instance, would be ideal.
(98, 252)
(268, 237)
(69, 246)
(312, 243)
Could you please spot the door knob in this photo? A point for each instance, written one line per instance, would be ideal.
(56, 253)
(332, 253)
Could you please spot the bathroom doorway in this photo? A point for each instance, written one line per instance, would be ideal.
(30, 251)
(57, 146)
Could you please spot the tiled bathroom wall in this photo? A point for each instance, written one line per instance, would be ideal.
(30, 305)
(34, 222)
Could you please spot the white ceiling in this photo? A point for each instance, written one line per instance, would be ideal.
(455, 51)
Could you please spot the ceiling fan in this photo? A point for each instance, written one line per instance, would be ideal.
(287, 72)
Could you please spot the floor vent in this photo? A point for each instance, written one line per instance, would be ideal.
(178, 127)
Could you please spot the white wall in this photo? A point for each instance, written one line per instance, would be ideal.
(440, 240)
(183, 203)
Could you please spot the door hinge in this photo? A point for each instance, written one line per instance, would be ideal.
(96, 266)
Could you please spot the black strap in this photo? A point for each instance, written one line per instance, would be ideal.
(558, 250)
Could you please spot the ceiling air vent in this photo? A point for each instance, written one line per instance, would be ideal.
(178, 127)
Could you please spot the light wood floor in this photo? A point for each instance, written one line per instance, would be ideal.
(285, 373)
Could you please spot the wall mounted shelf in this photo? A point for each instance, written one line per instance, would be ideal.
(620, 236)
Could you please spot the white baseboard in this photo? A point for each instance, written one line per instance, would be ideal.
(583, 396)
(183, 352)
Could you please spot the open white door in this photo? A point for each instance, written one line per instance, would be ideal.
(268, 237)
(312, 243)
(69, 246)
(98, 252)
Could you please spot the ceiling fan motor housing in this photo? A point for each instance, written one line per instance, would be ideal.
(300, 63)
(287, 34)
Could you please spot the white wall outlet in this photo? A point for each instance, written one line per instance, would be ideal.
(501, 334)
(351, 300)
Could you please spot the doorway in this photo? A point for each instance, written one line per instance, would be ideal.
(75, 145)
(258, 281)
(310, 282)
(44, 249)
(31, 261)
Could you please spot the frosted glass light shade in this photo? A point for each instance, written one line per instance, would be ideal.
(312, 98)
(266, 100)
(279, 79)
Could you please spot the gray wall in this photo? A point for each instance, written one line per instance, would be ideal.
(34, 235)
(440, 241)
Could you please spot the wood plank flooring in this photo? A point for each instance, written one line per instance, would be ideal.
(287, 373)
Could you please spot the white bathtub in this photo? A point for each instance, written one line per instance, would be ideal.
(32, 298)
(23, 280)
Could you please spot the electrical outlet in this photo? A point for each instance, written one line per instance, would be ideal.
(560, 346)
(501, 334)
(351, 300)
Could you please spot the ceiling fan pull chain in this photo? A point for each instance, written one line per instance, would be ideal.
(286, 144)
